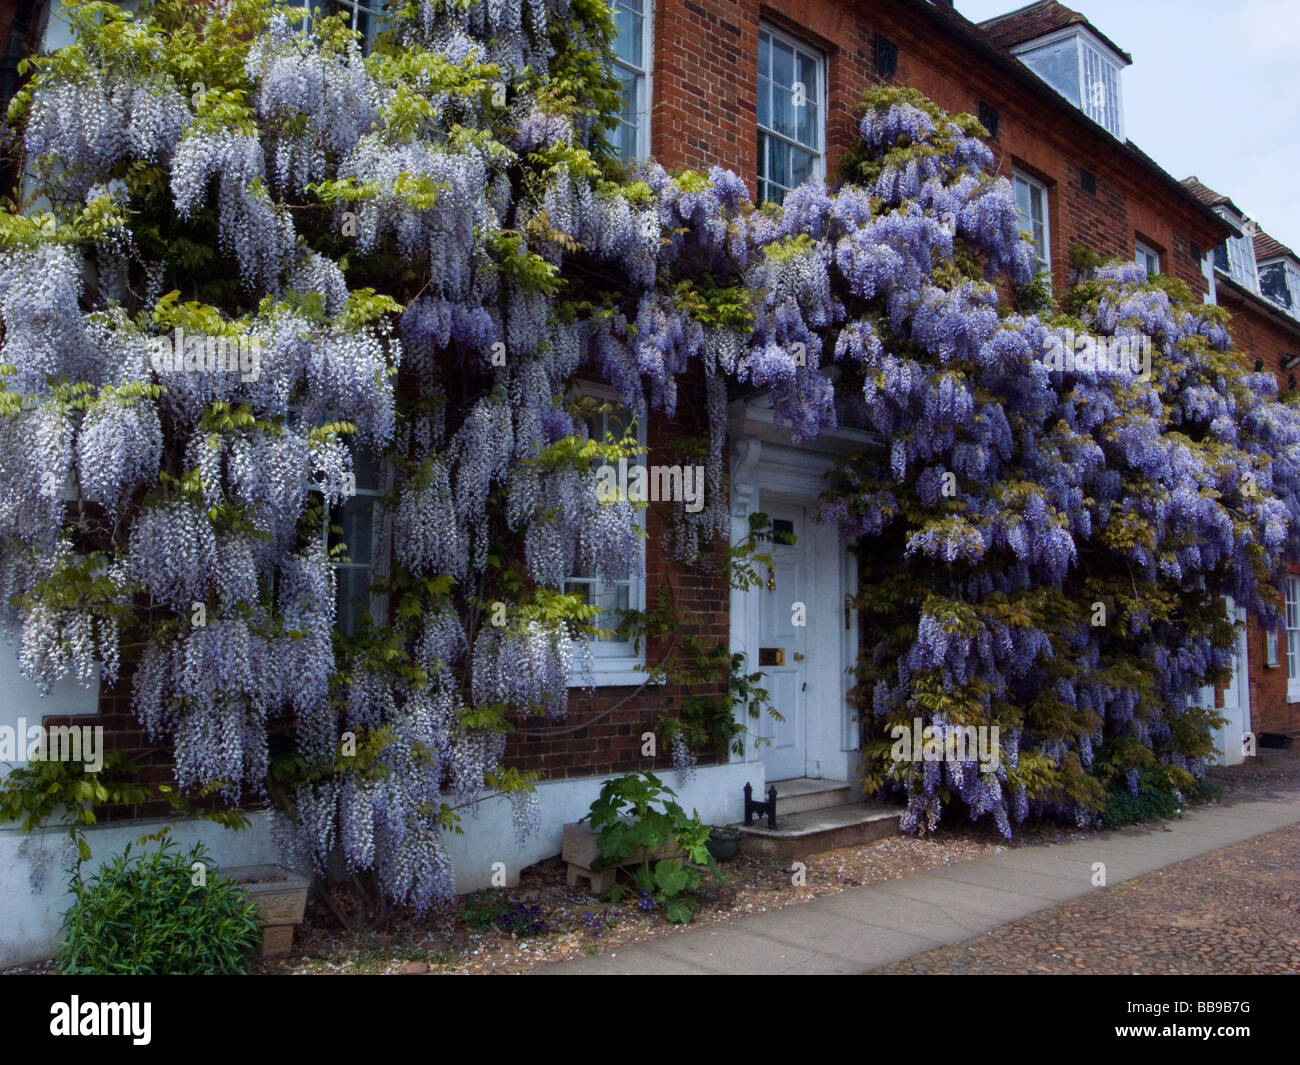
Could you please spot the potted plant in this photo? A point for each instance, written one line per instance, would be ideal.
(638, 824)
(724, 842)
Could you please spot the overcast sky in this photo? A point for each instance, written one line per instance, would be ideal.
(1214, 90)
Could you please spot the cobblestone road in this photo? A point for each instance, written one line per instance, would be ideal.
(1234, 910)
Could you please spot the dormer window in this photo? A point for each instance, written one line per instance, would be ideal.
(1236, 256)
(1084, 70)
(1279, 280)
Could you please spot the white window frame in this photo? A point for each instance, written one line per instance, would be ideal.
(356, 8)
(1291, 586)
(1270, 647)
(818, 152)
(1095, 59)
(1146, 255)
(1240, 252)
(616, 663)
(1044, 263)
(644, 78)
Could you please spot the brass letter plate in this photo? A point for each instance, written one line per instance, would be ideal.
(771, 656)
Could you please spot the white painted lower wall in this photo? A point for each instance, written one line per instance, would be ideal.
(717, 792)
(30, 921)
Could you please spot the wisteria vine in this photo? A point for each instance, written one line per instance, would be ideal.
(414, 256)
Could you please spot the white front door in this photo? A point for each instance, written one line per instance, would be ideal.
(783, 616)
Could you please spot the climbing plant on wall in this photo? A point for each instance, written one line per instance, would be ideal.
(249, 263)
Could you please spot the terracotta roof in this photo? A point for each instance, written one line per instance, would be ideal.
(1267, 248)
(1038, 20)
(1211, 198)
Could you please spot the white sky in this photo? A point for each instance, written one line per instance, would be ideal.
(1214, 90)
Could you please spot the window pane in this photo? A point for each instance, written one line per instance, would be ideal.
(782, 112)
(778, 153)
(764, 55)
(628, 42)
(625, 137)
(368, 473)
(782, 64)
(806, 121)
(1058, 65)
(1272, 283)
(1022, 202)
(356, 517)
(353, 596)
(806, 71)
(801, 165)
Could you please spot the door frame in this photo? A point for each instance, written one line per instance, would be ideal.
(768, 467)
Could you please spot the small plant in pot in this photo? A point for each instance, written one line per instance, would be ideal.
(724, 842)
(640, 825)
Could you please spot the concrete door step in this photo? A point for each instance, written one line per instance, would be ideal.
(813, 831)
(801, 794)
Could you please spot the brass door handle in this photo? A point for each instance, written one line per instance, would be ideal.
(798, 656)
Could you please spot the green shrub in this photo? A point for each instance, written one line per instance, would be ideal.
(1156, 800)
(143, 914)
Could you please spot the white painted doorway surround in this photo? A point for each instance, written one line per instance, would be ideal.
(1236, 696)
(809, 674)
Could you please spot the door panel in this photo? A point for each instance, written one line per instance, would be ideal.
(786, 755)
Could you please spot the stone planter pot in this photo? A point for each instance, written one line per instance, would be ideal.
(280, 895)
(581, 850)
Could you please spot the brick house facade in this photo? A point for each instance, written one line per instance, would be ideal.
(699, 78)
(1257, 279)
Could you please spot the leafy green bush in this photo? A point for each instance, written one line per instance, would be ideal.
(1156, 800)
(631, 826)
(143, 914)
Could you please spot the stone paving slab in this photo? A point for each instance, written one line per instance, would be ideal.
(882, 924)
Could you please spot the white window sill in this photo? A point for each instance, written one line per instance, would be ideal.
(612, 674)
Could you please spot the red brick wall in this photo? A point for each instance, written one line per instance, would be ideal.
(704, 114)
(1260, 333)
(612, 742)
(1269, 709)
